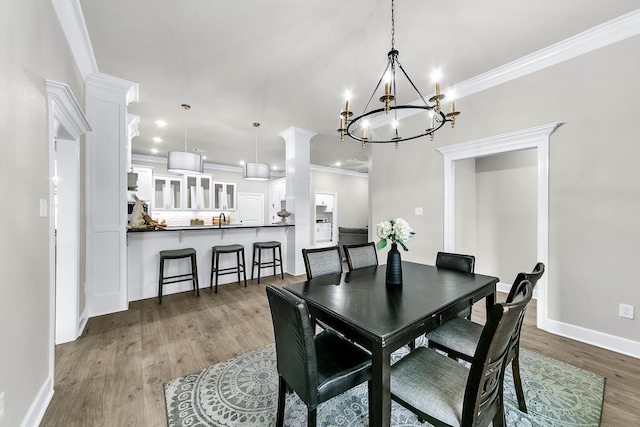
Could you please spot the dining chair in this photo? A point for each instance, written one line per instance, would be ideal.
(457, 262)
(361, 255)
(315, 367)
(447, 393)
(322, 261)
(459, 337)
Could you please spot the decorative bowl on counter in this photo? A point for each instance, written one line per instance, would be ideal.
(283, 214)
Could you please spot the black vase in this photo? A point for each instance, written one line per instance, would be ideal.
(394, 266)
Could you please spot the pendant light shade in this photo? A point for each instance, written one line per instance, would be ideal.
(182, 161)
(256, 171)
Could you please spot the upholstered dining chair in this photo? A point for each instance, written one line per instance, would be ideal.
(361, 255)
(315, 367)
(457, 262)
(322, 261)
(444, 392)
(459, 337)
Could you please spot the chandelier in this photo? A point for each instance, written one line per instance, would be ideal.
(358, 127)
(182, 161)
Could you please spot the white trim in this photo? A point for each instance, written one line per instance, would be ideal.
(115, 85)
(75, 30)
(598, 339)
(67, 109)
(38, 407)
(537, 137)
(338, 171)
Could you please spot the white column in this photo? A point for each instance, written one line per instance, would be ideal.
(107, 98)
(298, 182)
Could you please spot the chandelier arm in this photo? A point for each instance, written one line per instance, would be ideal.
(375, 89)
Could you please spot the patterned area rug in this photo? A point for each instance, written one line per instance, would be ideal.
(243, 392)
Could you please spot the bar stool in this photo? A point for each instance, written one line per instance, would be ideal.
(215, 263)
(259, 246)
(178, 254)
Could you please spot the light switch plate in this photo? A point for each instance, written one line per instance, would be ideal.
(419, 211)
(43, 208)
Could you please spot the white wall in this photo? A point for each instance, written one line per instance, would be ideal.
(594, 192)
(32, 49)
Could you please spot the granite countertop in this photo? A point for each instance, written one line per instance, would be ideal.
(205, 227)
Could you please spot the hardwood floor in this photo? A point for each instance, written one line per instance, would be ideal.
(113, 374)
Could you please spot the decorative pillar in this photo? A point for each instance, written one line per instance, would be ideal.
(298, 183)
(106, 170)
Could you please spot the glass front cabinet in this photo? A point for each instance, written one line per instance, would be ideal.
(224, 196)
(198, 192)
(167, 193)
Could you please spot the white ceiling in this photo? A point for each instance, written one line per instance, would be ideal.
(286, 63)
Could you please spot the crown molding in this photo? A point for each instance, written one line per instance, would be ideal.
(75, 29)
(115, 84)
(338, 171)
(602, 35)
(67, 109)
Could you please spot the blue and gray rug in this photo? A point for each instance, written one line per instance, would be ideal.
(243, 392)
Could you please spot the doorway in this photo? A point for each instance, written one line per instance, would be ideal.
(533, 138)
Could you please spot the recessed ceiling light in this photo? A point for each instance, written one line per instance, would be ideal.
(161, 123)
(274, 167)
(204, 157)
(154, 151)
(241, 162)
(338, 164)
(156, 139)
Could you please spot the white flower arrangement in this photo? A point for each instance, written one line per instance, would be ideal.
(397, 230)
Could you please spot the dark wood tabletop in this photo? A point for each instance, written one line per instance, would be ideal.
(383, 318)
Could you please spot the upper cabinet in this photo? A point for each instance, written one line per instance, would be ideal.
(167, 193)
(198, 192)
(277, 193)
(224, 196)
(325, 201)
(144, 183)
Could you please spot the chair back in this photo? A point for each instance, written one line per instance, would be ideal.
(484, 392)
(458, 262)
(295, 345)
(533, 277)
(361, 255)
(322, 261)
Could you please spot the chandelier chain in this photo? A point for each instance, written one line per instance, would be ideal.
(393, 24)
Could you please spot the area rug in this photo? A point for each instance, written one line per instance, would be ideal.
(243, 392)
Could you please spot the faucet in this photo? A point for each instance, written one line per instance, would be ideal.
(220, 218)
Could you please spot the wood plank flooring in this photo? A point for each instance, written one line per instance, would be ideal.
(113, 374)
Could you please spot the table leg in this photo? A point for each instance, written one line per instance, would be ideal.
(490, 300)
(380, 397)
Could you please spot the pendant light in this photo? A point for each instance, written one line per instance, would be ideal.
(256, 171)
(182, 161)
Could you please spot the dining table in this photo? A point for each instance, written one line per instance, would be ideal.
(382, 318)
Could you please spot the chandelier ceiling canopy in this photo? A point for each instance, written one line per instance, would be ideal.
(360, 127)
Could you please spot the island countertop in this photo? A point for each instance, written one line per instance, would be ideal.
(144, 246)
(207, 227)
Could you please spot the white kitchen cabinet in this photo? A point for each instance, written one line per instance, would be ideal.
(167, 193)
(326, 201)
(145, 183)
(224, 196)
(277, 193)
(198, 192)
(323, 232)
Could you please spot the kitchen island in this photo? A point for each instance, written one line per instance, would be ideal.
(143, 253)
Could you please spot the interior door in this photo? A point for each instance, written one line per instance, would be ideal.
(251, 208)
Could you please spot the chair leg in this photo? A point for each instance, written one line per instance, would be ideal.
(282, 387)
(499, 419)
(217, 268)
(160, 280)
(253, 262)
(194, 275)
(274, 262)
(238, 265)
(281, 269)
(259, 263)
(213, 266)
(312, 417)
(244, 269)
(412, 345)
(515, 367)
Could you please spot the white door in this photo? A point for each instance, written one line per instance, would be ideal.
(251, 208)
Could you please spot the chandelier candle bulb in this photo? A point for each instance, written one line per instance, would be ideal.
(387, 88)
(346, 108)
(364, 133)
(453, 108)
(437, 87)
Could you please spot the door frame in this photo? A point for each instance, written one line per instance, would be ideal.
(536, 137)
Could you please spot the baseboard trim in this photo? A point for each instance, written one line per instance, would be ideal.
(506, 287)
(599, 339)
(39, 405)
(84, 318)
